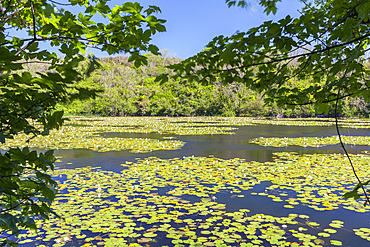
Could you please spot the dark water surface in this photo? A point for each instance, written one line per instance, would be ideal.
(237, 146)
(220, 146)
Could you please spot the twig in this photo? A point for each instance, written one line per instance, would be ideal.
(34, 31)
(345, 150)
(13, 14)
(303, 54)
(65, 4)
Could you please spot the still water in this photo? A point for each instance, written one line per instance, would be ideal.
(238, 146)
(220, 146)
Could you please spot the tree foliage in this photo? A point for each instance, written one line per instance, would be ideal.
(131, 91)
(326, 46)
(28, 100)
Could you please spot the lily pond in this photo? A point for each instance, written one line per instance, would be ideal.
(204, 181)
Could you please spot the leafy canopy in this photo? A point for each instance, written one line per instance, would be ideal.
(325, 47)
(28, 100)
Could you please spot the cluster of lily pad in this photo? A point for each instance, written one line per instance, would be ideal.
(363, 233)
(83, 132)
(70, 137)
(200, 125)
(158, 202)
(175, 202)
(346, 122)
(311, 141)
(161, 125)
(296, 121)
(316, 180)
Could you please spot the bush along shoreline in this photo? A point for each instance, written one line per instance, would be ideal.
(130, 91)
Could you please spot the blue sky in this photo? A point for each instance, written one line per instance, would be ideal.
(191, 24)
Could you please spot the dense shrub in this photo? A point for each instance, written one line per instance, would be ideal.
(130, 91)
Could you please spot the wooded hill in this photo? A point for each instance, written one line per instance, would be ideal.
(131, 91)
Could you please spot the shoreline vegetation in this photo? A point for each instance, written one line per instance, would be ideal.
(130, 91)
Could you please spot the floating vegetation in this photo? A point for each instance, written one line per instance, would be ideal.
(311, 141)
(75, 137)
(346, 122)
(83, 132)
(161, 125)
(175, 202)
(363, 233)
(317, 180)
(296, 121)
(199, 125)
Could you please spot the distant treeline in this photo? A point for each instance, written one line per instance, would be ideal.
(131, 91)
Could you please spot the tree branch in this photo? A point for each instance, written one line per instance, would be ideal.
(301, 55)
(10, 209)
(345, 150)
(13, 14)
(34, 31)
(65, 4)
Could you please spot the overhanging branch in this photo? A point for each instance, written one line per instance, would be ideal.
(300, 55)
